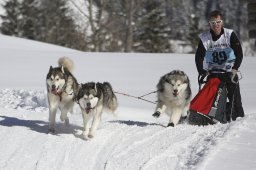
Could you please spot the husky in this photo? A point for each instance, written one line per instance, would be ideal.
(93, 98)
(174, 95)
(62, 89)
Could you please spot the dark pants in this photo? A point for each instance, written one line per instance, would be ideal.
(234, 104)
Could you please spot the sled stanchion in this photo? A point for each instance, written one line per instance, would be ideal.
(140, 97)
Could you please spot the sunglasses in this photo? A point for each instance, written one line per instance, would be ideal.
(215, 22)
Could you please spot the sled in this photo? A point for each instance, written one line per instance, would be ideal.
(210, 104)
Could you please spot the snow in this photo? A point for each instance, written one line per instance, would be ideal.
(133, 139)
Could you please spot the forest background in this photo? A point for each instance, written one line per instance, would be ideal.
(147, 26)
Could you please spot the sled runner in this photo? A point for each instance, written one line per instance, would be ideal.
(210, 104)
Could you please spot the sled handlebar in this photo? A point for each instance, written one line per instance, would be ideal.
(201, 77)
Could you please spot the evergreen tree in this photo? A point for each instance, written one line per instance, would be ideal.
(11, 22)
(117, 24)
(55, 24)
(106, 23)
(152, 29)
(193, 32)
(29, 11)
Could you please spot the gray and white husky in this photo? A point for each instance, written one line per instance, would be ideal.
(93, 98)
(62, 89)
(174, 95)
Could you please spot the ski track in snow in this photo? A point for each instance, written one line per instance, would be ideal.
(118, 144)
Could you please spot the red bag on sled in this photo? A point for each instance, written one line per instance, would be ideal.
(209, 105)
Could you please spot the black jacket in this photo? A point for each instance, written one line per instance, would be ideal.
(234, 44)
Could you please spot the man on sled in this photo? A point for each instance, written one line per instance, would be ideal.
(219, 55)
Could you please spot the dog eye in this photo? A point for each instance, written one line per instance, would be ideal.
(57, 79)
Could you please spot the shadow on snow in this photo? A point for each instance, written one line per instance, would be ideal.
(37, 125)
(135, 123)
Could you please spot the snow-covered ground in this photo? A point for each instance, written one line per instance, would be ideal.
(132, 140)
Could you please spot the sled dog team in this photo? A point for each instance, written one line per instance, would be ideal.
(63, 90)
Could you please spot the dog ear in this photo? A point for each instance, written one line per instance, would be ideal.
(186, 79)
(50, 68)
(95, 87)
(166, 78)
(80, 92)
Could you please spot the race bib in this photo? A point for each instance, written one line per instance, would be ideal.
(219, 60)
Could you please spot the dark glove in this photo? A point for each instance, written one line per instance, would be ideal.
(202, 72)
(233, 74)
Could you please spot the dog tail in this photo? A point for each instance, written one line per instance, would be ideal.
(110, 100)
(67, 63)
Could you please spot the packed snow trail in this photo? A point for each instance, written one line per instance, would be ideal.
(118, 144)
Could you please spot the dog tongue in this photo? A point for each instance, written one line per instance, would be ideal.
(55, 92)
(175, 94)
(87, 110)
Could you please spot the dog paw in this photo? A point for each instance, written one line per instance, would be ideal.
(67, 122)
(85, 133)
(90, 136)
(51, 130)
(170, 124)
(84, 137)
(183, 119)
(156, 114)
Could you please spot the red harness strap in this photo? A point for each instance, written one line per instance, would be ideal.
(57, 94)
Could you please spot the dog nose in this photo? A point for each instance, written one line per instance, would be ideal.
(53, 86)
(175, 91)
(88, 104)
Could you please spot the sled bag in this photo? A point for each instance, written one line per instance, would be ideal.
(209, 105)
